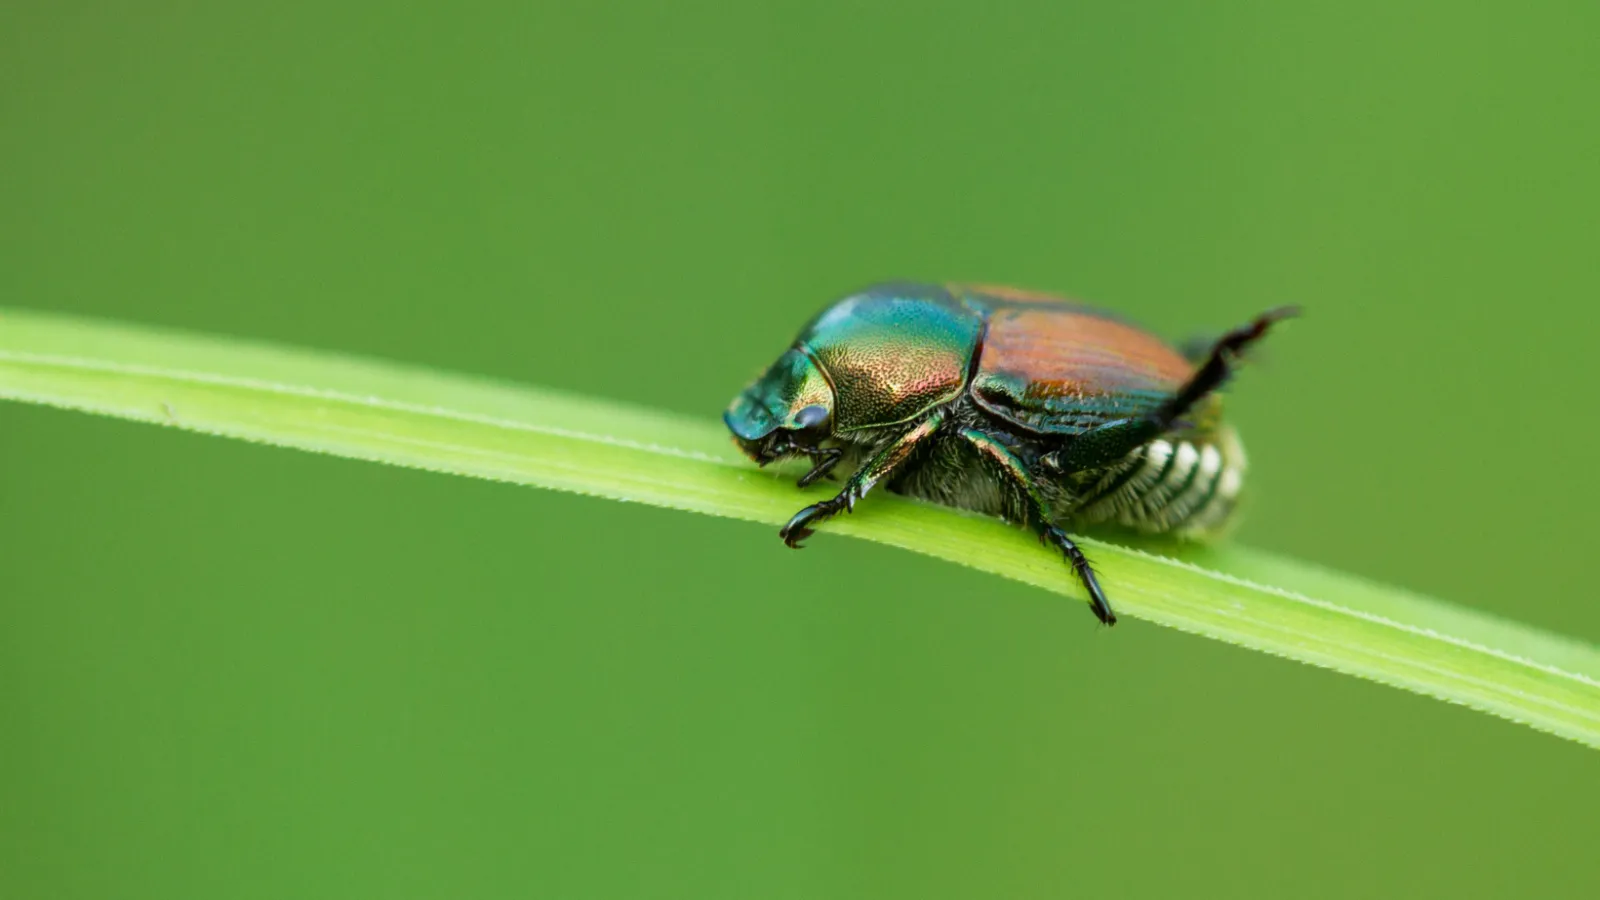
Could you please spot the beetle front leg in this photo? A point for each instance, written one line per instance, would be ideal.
(878, 468)
(823, 461)
(1022, 480)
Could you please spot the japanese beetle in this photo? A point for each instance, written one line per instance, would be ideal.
(1009, 403)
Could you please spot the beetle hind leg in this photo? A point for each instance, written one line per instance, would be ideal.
(1105, 445)
(1022, 481)
(1217, 365)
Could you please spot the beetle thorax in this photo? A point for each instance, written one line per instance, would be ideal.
(891, 358)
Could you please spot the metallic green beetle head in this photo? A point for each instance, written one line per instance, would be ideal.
(788, 410)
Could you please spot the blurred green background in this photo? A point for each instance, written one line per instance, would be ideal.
(234, 671)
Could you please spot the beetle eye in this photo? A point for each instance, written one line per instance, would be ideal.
(813, 420)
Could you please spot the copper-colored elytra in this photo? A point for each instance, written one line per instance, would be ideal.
(1078, 349)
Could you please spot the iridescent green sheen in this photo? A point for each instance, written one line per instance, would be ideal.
(772, 402)
(893, 352)
(881, 357)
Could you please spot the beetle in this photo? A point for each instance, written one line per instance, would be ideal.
(1007, 402)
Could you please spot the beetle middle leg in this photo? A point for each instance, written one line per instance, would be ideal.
(1022, 480)
(876, 469)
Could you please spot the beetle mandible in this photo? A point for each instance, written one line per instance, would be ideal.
(1006, 402)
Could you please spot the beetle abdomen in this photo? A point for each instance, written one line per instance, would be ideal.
(1188, 487)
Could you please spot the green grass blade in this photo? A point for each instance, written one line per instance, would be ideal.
(467, 426)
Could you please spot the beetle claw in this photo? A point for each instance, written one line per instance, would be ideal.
(796, 531)
(793, 535)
